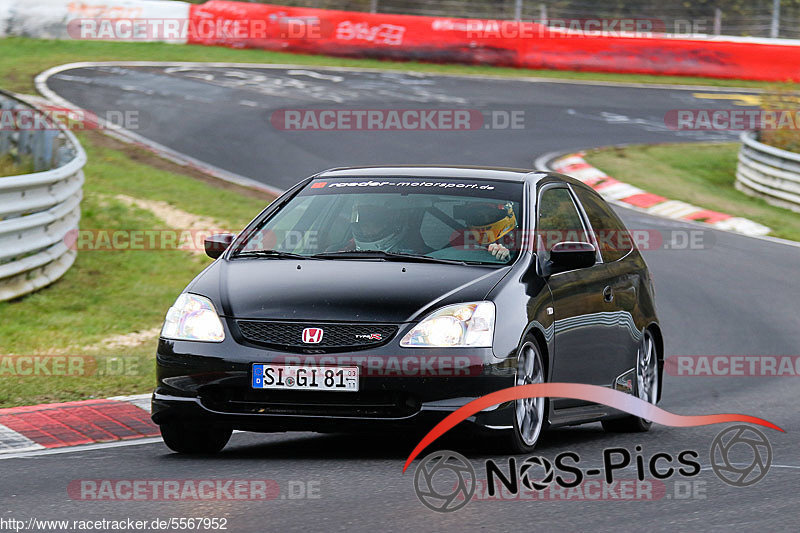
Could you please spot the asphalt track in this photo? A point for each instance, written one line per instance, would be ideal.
(736, 296)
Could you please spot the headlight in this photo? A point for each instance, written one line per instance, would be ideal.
(470, 324)
(193, 318)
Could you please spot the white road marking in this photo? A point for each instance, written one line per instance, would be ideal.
(588, 173)
(139, 400)
(570, 160)
(41, 450)
(673, 209)
(742, 225)
(11, 441)
(619, 191)
(82, 448)
(317, 75)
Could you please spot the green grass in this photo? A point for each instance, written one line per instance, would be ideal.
(111, 292)
(21, 59)
(701, 174)
(9, 167)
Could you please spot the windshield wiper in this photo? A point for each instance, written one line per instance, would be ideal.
(276, 254)
(387, 256)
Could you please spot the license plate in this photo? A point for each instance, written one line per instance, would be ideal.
(304, 377)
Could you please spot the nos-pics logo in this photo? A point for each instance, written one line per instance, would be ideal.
(445, 481)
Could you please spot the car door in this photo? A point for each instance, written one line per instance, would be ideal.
(586, 321)
(616, 244)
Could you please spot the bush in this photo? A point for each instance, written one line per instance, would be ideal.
(786, 102)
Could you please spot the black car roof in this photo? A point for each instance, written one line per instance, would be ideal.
(437, 171)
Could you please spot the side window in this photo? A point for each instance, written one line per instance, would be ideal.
(612, 237)
(285, 226)
(558, 221)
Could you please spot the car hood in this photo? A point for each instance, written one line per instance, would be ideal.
(342, 290)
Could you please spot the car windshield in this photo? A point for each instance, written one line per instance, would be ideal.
(472, 221)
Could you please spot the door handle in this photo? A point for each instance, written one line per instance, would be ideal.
(608, 294)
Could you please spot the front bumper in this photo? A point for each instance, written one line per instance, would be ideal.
(398, 388)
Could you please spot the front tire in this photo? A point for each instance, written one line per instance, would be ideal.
(194, 440)
(646, 388)
(529, 413)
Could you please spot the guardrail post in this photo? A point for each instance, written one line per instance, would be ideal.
(5, 142)
(5, 134)
(775, 27)
(43, 150)
(64, 154)
(24, 144)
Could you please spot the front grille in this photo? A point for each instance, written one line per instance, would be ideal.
(336, 337)
(372, 404)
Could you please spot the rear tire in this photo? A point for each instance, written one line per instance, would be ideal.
(529, 413)
(194, 440)
(646, 388)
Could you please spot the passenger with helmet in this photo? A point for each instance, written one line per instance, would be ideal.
(489, 224)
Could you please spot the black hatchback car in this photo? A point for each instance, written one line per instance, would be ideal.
(384, 298)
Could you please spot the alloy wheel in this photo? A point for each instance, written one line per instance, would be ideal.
(529, 411)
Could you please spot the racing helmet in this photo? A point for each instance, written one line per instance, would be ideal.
(488, 222)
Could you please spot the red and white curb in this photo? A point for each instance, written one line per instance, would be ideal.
(628, 195)
(58, 425)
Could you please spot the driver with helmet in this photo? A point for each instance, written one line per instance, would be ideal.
(378, 226)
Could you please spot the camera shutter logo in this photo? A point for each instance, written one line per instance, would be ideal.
(525, 473)
(444, 481)
(731, 442)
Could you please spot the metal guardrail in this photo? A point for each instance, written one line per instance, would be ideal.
(39, 211)
(768, 172)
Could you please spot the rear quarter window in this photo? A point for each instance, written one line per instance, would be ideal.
(613, 238)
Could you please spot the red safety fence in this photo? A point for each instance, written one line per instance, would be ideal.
(501, 43)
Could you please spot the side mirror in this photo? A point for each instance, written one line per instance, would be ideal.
(571, 256)
(216, 244)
